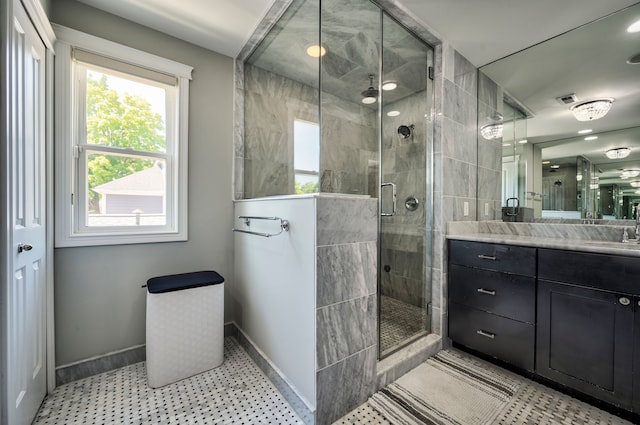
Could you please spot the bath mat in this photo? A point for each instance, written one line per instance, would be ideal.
(461, 392)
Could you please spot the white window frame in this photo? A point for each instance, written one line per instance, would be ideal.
(70, 227)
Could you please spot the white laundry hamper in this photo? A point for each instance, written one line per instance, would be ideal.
(185, 326)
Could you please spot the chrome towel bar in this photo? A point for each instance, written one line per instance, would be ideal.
(284, 225)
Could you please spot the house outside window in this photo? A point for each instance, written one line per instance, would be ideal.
(121, 143)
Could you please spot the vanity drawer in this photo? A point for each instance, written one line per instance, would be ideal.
(509, 295)
(609, 272)
(503, 258)
(499, 337)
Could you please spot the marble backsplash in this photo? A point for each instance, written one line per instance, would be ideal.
(588, 232)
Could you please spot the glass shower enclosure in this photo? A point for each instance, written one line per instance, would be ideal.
(338, 100)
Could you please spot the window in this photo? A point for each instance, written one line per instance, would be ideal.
(121, 145)
(306, 156)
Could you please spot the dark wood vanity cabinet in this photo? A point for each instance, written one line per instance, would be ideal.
(492, 300)
(585, 329)
(636, 355)
(571, 317)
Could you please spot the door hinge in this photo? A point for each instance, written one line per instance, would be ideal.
(72, 199)
(430, 72)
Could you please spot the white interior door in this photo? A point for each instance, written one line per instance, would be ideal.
(25, 304)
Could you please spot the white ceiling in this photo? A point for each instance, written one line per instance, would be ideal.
(482, 31)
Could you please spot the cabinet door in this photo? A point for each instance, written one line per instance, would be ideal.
(636, 356)
(584, 340)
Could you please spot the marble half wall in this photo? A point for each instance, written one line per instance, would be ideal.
(346, 304)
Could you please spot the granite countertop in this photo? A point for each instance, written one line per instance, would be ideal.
(593, 238)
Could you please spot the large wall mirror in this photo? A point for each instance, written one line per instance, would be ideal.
(573, 164)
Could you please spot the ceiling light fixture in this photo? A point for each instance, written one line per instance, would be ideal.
(592, 110)
(635, 27)
(628, 173)
(389, 85)
(635, 183)
(591, 138)
(546, 162)
(634, 60)
(370, 95)
(585, 131)
(523, 141)
(491, 131)
(556, 166)
(618, 153)
(316, 51)
(393, 113)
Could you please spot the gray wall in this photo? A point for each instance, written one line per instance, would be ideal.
(99, 304)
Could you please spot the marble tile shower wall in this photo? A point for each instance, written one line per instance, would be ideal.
(456, 159)
(402, 236)
(348, 147)
(346, 314)
(271, 102)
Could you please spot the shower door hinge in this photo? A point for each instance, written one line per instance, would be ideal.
(428, 309)
(430, 72)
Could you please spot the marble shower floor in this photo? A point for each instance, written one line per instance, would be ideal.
(399, 322)
(237, 392)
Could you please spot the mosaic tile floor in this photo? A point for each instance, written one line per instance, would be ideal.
(235, 393)
(399, 321)
(532, 404)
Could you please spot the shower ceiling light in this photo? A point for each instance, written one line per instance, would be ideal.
(370, 95)
(393, 113)
(389, 85)
(618, 153)
(635, 27)
(316, 51)
(491, 131)
(592, 110)
(585, 131)
(590, 138)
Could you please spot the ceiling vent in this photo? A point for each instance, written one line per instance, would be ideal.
(567, 99)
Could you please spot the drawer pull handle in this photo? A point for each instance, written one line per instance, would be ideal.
(485, 333)
(486, 291)
(487, 257)
(624, 301)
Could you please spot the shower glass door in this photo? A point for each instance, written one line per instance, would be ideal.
(405, 189)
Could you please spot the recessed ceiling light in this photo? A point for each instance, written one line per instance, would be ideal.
(523, 141)
(635, 27)
(389, 85)
(546, 162)
(506, 144)
(315, 51)
(591, 138)
(556, 166)
(585, 131)
(393, 113)
(634, 183)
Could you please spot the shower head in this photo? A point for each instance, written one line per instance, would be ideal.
(370, 95)
(405, 131)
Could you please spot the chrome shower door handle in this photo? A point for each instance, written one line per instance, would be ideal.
(393, 203)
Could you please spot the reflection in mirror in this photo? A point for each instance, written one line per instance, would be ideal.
(570, 168)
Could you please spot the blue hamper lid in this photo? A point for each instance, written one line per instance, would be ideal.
(176, 282)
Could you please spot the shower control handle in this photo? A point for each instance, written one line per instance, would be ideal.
(393, 199)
